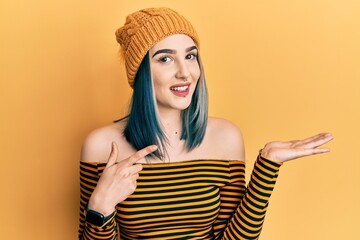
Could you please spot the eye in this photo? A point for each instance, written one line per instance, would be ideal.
(191, 56)
(165, 59)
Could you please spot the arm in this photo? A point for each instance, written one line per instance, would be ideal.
(104, 185)
(249, 216)
(89, 176)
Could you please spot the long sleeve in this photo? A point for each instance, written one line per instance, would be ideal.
(89, 176)
(248, 219)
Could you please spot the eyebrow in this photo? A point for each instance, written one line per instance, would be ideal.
(171, 51)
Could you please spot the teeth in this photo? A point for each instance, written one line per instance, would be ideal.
(180, 89)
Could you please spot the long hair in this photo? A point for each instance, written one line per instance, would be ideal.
(143, 127)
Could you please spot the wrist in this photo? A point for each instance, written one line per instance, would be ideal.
(267, 155)
(96, 218)
(100, 207)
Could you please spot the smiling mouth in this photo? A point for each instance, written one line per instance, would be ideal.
(180, 90)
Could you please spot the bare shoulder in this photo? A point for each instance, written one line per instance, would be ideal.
(97, 145)
(224, 129)
(226, 137)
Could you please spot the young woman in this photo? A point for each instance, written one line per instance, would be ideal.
(167, 170)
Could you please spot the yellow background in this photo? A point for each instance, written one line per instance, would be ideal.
(278, 69)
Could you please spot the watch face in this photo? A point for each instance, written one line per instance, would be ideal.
(95, 218)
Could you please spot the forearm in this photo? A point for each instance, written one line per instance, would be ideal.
(248, 219)
(89, 176)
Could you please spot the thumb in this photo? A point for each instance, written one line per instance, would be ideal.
(113, 155)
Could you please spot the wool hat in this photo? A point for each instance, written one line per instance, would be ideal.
(143, 29)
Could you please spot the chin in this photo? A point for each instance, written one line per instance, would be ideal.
(176, 103)
(185, 105)
(181, 106)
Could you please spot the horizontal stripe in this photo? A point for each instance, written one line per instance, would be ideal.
(198, 199)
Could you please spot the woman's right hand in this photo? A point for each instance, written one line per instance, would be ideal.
(118, 180)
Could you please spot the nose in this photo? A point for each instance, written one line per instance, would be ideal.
(183, 72)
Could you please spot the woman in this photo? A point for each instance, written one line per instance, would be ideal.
(174, 172)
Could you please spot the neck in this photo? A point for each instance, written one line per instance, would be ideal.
(171, 123)
(172, 126)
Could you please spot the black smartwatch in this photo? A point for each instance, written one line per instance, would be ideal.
(95, 217)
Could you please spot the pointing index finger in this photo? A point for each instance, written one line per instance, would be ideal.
(142, 153)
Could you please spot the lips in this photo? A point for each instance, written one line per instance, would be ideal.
(181, 90)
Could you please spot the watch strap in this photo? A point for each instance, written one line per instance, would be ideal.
(96, 218)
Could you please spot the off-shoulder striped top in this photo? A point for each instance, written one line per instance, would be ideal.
(198, 199)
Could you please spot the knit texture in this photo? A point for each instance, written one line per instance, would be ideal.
(143, 29)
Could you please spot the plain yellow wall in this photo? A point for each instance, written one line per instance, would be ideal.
(278, 69)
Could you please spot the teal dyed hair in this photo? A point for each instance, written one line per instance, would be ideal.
(143, 127)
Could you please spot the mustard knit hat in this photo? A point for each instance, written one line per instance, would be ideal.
(143, 29)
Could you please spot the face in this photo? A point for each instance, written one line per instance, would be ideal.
(175, 71)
